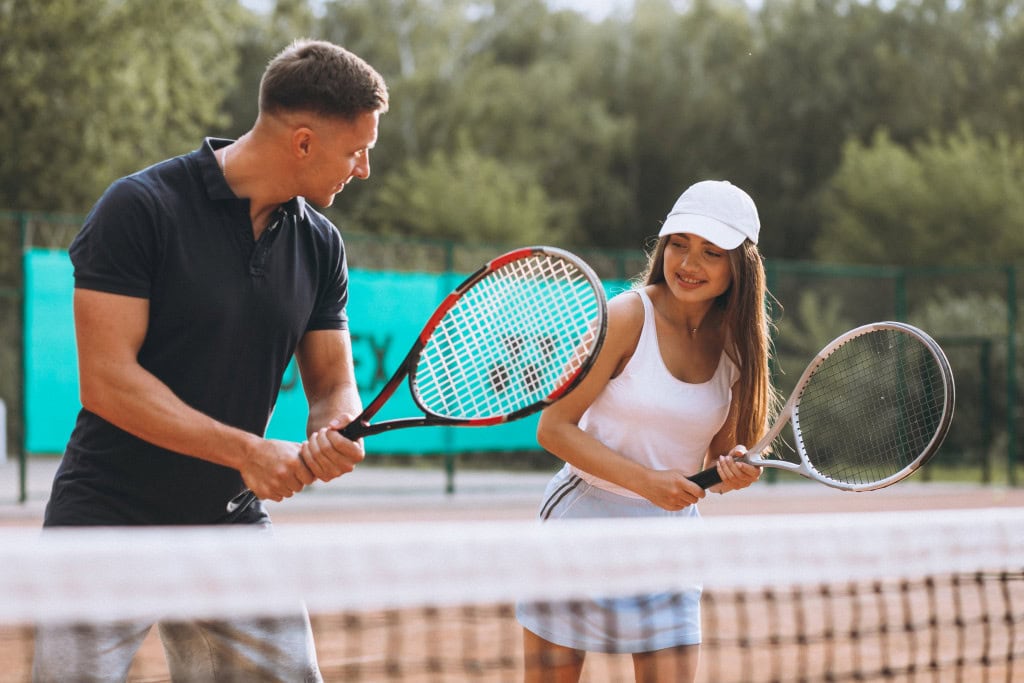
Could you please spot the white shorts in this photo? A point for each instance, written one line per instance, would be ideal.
(642, 623)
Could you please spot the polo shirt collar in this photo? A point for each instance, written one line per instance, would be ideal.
(296, 207)
(217, 186)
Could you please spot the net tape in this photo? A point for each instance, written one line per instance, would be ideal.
(64, 575)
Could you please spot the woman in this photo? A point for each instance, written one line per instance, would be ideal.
(681, 380)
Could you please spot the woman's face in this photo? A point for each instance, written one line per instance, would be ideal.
(696, 270)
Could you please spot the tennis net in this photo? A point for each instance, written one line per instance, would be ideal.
(914, 596)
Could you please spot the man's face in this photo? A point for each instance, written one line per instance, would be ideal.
(339, 153)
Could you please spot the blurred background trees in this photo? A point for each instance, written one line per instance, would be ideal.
(856, 126)
(871, 133)
(92, 89)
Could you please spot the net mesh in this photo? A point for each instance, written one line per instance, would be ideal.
(511, 340)
(873, 407)
(910, 596)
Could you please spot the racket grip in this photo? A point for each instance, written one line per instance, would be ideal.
(353, 431)
(243, 499)
(356, 429)
(707, 478)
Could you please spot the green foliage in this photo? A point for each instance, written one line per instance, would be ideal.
(825, 72)
(868, 131)
(815, 318)
(971, 325)
(466, 197)
(674, 79)
(93, 89)
(612, 119)
(491, 76)
(945, 201)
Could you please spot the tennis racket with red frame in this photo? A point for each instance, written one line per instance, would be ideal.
(514, 337)
(872, 407)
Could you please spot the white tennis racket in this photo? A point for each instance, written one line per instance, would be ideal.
(872, 407)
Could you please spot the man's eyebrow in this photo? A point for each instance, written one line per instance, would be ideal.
(363, 148)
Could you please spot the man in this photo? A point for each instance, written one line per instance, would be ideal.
(196, 280)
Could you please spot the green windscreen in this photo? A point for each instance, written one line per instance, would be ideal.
(387, 310)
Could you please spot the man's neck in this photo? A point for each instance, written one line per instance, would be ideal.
(248, 165)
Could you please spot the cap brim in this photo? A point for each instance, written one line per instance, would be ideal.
(711, 229)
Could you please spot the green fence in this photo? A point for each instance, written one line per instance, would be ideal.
(973, 312)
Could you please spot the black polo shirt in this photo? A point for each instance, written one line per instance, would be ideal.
(225, 315)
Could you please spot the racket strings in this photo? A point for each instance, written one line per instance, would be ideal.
(872, 408)
(510, 341)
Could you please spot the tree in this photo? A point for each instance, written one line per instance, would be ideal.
(617, 117)
(949, 200)
(829, 71)
(673, 79)
(96, 88)
(465, 197)
(491, 78)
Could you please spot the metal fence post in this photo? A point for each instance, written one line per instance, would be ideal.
(900, 280)
(23, 226)
(1011, 373)
(3, 431)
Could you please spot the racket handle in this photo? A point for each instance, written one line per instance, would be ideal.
(356, 429)
(353, 431)
(707, 478)
(360, 428)
(243, 499)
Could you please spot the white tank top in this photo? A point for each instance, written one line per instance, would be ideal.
(650, 416)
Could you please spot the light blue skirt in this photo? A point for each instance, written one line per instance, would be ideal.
(642, 623)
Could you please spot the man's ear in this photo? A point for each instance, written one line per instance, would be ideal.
(302, 141)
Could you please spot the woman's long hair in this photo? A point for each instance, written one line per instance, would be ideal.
(747, 333)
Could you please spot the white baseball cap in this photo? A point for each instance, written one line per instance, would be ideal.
(716, 210)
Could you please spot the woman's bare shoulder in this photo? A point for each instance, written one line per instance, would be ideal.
(625, 321)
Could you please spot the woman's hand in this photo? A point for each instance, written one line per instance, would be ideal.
(670, 489)
(734, 474)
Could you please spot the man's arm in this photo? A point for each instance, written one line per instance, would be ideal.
(110, 330)
(328, 378)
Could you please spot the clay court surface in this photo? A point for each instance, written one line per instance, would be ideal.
(382, 493)
(385, 493)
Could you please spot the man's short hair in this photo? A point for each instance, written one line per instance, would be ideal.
(323, 78)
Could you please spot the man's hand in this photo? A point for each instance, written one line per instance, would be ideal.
(276, 470)
(328, 455)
